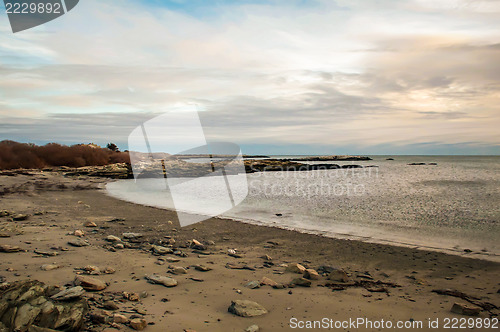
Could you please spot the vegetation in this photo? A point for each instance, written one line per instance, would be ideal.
(21, 155)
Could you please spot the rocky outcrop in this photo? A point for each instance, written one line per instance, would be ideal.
(333, 158)
(28, 305)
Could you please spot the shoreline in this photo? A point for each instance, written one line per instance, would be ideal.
(465, 252)
(57, 206)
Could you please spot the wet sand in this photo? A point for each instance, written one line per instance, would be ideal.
(58, 206)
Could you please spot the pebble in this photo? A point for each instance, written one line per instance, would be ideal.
(112, 238)
(49, 267)
(78, 242)
(177, 270)
(253, 328)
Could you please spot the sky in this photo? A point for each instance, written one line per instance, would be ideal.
(275, 77)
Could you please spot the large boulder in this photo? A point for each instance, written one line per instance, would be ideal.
(27, 306)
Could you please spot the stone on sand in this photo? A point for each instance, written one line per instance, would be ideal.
(253, 328)
(311, 274)
(49, 267)
(112, 238)
(269, 282)
(20, 217)
(8, 248)
(78, 242)
(121, 319)
(246, 308)
(296, 268)
(202, 268)
(90, 284)
(161, 280)
(177, 270)
(338, 275)
(159, 250)
(195, 244)
(463, 309)
(90, 224)
(138, 324)
(301, 282)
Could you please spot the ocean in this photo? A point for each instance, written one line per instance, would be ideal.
(452, 206)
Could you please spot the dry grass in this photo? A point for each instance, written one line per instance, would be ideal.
(20, 155)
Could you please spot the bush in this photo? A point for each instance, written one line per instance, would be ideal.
(20, 155)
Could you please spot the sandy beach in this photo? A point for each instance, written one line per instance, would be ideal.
(384, 282)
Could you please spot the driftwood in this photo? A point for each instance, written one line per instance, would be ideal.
(471, 299)
(370, 285)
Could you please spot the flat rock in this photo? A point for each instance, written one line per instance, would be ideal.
(252, 284)
(301, 282)
(159, 250)
(78, 242)
(295, 268)
(202, 268)
(20, 217)
(177, 270)
(89, 283)
(49, 267)
(8, 248)
(161, 280)
(246, 308)
(269, 282)
(463, 309)
(132, 236)
(121, 319)
(69, 294)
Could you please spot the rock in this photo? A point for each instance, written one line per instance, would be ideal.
(90, 284)
(119, 246)
(24, 303)
(161, 280)
(49, 267)
(79, 233)
(45, 253)
(296, 268)
(121, 319)
(8, 248)
(69, 294)
(138, 324)
(338, 275)
(20, 217)
(268, 282)
(131, 296)
(90, 224)
(78, 242)
(253, 328)
(252, 284)
(110, 305)
(92, 269)
(246, 308)
(177, 270)
(132, 236)
(202, 268)
(233, 253)
(5, 213)
(466, 310)
(311, 274)
(172, 259)
(159, 250)
(112, 238)
(301, 282)
(195, 244)
(108, 270)
(267, 258)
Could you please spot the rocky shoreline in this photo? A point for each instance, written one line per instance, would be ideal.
(104, 264)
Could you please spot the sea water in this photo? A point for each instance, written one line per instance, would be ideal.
(452, 206)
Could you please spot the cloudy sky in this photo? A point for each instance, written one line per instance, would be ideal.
(277, 77)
